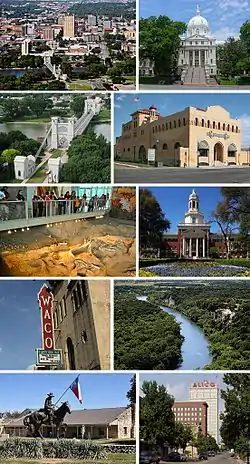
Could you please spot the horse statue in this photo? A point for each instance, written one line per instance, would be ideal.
(35, 420)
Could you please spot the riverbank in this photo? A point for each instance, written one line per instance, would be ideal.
(144, 336)
(224, 322)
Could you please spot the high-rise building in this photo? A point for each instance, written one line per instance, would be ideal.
(48, 33)
(81, 320)
(192, 413)
(25, 47)
(208, 392)
(92, 20)
(69, 26)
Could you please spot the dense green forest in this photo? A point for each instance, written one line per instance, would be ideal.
(220, 309)
(145, 337)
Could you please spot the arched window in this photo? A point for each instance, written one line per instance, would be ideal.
(71, 354)
(175, 124)
(202, 123)
(166, 126)
(228, 127)
(208, 124)
(162, 127)
(236, 129)
(177, 145)
(224, 127)
(196, 121)
(159, 128)
(165, 146)
(170, 125)
(184, 121)
(219, 125)
(232, 128)
(213, 124)
(179, 123)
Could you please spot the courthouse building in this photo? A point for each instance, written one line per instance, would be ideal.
(81, 317)
(192, 137)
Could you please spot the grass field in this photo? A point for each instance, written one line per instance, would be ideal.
(113, 458)
(79, 85)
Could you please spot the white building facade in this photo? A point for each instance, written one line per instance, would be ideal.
(208, 392)
(198, 47)
(194, 232)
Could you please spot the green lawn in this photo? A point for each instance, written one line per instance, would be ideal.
(39, 175)
(104, 116)
(130, 78)
(31, 119)
(113, 458)
(79, 85)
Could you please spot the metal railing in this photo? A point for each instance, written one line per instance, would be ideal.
(14, 210)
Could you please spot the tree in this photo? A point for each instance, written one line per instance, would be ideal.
(160, 42)
(77, 105)
(206, 443)
(183, 435)
(131, 395)
(157, 421)
(89, 159)
(235, 428)
(152, 221)
(8, 155)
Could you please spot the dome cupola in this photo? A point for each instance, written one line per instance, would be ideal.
(197, 26)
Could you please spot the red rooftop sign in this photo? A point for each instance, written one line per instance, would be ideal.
(45, 298)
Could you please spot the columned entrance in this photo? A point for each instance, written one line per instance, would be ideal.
(218, 152)
(194, 247)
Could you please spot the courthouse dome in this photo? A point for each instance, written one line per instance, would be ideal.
(197, 25)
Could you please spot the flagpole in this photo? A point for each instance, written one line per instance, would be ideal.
(65, 391)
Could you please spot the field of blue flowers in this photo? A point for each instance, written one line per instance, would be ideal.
(195, 269)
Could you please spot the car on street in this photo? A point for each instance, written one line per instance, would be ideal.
(211, 454)
(149, 457)
(203, 456)
(174, 457)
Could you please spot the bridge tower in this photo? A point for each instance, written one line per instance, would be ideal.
(54, 132)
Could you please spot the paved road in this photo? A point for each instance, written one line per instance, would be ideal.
(139, 175)
(216, 88)
(218, 459)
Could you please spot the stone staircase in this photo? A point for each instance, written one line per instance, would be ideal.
(197, 76)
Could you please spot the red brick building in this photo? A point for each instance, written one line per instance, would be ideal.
(192, 413)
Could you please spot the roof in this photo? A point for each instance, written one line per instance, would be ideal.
(83, 416)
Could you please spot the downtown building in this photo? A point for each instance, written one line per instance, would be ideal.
(193, 414)
(209, 393)
(81, 323)
(194, 238)
(189, 138)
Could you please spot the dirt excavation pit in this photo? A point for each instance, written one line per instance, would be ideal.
(90, 250)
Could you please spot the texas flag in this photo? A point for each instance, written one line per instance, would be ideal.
(75, 387)
(137, 99)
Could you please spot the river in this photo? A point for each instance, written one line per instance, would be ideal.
(14, 72)
(35, 130)
(195, 351)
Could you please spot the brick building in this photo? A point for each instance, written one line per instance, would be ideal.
(192, 413)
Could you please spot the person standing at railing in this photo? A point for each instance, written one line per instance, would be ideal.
(67, 197)
(54, 204)
(20, 196)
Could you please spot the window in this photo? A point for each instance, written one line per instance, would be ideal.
(166, 126)
(202, 123)
(175, 124)
(84, 337)
(236, 129)
(125, 430)
(170, 125)
(64, 309)
(179, 123)
(71, 354)
(224, 127)
(208, 124)
(196, 121)
(163, 127)
(184, 121)
(55, 319)
(159, 128)
(219, 125)
(214, 125)
(228, 127)
(232, 128)
(60, 318)
(128, 149)
(19, 173)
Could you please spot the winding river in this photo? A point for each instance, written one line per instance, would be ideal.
(195, 351)
(35, 130)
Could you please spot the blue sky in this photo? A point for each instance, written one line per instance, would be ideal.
(237, 104)
(21, 391)
(20, 328)
(178, 384)
(175, 210)
(224, 17)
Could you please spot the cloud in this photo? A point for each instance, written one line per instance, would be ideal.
(223, 33)
(121, 97)
(117, 106)
(245, 130)
(31, 367)
(178, 390)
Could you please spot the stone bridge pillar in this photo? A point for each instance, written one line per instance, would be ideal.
(54, 132)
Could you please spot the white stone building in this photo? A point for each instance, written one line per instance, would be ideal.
(208, 392)
(194, 232)
(198, 47)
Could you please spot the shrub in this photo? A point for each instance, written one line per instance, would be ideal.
(34, 448)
